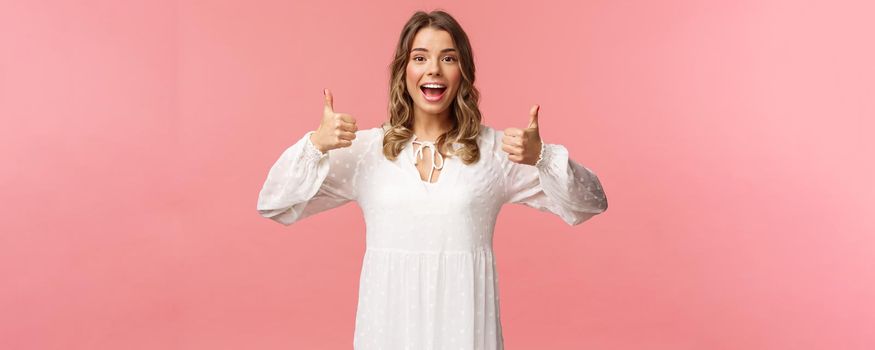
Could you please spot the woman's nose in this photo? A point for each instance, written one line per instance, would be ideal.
(434, 67)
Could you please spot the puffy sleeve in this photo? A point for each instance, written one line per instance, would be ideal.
(557, 184)
(305, 181)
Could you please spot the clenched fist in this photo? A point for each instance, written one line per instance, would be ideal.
(523, 145)
(337, 130)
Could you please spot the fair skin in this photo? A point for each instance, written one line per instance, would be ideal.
(336, 129)
(433, 59)
(523, 145)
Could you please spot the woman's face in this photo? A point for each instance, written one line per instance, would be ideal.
(433, 59)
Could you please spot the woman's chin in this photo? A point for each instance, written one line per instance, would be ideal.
(432, 109)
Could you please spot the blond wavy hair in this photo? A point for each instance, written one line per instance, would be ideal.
(465, 113)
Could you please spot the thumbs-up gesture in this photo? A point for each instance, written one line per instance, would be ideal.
(337, 130)
(523, 145)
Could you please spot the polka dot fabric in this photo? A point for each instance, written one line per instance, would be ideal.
(428, 278)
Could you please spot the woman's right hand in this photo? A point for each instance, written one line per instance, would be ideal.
(337, 130)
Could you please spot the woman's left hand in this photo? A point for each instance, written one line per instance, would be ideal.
(523, 145)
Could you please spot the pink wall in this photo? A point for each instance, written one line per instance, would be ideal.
(734, 141)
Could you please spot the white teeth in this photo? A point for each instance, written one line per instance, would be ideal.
(433, 86)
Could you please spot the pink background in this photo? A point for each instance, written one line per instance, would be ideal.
(733, 139)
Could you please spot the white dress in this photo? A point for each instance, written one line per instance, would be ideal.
(428, 278)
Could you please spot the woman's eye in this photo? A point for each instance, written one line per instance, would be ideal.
(447, 58)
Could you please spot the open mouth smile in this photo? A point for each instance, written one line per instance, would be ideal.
(433, 92)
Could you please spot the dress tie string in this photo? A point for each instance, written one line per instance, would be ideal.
(431, 145)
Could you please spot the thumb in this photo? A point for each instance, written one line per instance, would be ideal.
(329, 100)
(533, 122)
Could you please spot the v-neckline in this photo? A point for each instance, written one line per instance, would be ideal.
(411, 155)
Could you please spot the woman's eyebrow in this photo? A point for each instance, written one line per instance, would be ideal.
(449, 49)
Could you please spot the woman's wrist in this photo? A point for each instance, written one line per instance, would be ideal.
(540, 159)
(315, 143)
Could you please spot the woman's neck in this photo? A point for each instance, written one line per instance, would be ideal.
(431, 126)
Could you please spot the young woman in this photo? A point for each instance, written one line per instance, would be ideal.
(430, 182)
